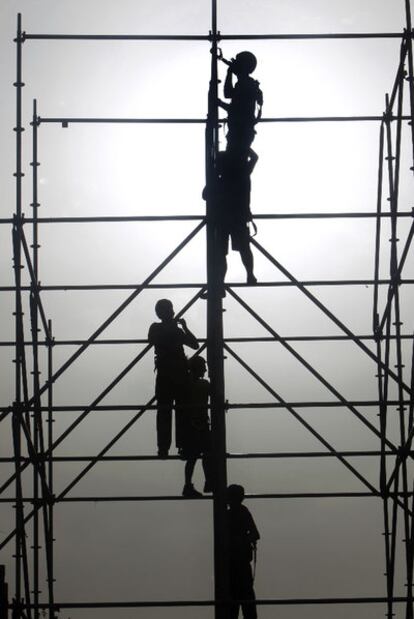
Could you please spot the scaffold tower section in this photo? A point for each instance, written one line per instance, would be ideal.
(32, 488)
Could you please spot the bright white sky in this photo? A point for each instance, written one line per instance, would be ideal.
(156, 550)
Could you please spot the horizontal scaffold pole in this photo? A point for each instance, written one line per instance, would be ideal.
(271, 495)
(156, 218)
(67, 120)
(229, 340)
(229, 456)
(164, 286)
(229, 405)
(183, 603)
(219, 37)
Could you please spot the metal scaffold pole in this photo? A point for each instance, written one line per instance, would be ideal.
(21, 566)
(36, 415)
(44, 500)
(50, 511)
(215, 356)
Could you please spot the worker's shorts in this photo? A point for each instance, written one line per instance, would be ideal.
(239, 234)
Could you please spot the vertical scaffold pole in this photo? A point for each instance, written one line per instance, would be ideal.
(17, 220)
(17, 407)
(395, 277)
(410, 78)
(215, 356)
(375, 314)
(382, 379)
(37, 415)
(38, 433)
(50, 540)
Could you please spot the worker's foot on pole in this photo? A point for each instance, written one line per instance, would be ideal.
(251, 279)
(221, 293)
(189, 492)
(163, 454)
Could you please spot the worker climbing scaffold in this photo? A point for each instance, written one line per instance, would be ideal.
(230, 186)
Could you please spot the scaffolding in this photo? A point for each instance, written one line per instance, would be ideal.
(32, 412)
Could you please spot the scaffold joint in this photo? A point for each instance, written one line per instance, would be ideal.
(50, 341)
(214, 37)
(38, 591)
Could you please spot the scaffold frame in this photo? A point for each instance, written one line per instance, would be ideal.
(31, 413)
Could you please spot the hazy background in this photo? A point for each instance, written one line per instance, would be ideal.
(163, 550)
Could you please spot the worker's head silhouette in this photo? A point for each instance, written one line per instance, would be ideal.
(244, 63)
(197, 366)
(164, 309)
(235, 494)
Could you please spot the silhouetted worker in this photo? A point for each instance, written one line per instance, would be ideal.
(243, 535)
(231, 194)
(168, 340)
(196, 427)
(246, 97)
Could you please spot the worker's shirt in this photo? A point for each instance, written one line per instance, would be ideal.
(168, 341)
(242, 533)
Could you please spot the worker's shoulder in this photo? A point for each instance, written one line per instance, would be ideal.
(161, 329)
(155, 327)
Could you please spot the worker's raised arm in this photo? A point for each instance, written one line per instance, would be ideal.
(189, 339)
(223, 105)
